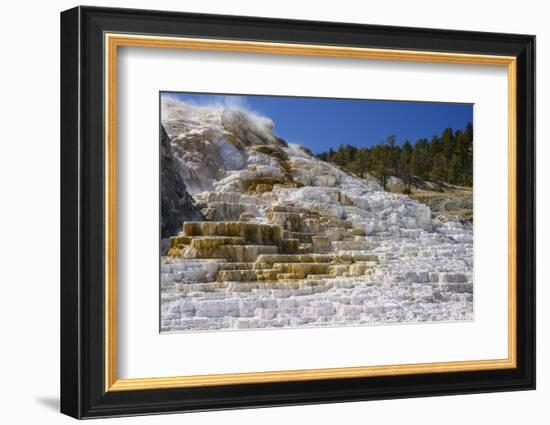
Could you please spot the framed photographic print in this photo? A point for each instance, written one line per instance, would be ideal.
(261, 212)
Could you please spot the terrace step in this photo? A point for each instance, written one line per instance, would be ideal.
(230, 253)
(252, 233)
(286, 258)
(214, 241)
(236, 276)
(301, 270)
(236, 266)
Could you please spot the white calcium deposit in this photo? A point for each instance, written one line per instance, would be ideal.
(334, 249)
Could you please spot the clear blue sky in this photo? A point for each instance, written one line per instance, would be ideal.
(323, 123)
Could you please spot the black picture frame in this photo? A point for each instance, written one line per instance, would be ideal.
(83, 392)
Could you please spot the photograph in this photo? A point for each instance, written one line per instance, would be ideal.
(285, 210)
(281, 212)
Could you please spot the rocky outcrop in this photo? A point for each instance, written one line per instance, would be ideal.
(289, 240)
(176, 204)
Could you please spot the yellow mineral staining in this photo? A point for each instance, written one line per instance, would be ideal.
(305, 248)
(289, 221)
(206, 242)
(271, 150)
(234, 140)
(362, 267)
(336, 222)
(261, 234)
(175, 241)
(174, 252)
(284, 162)
(279, 253)
(266, 275)
(236, 266)
(357, 256)
(301, 270)
(349, 245)
(260, 184)
(321, 243)
(262, 188)
(287, 184)
(226, 211)
(358, 232)
(344, 200)
(233, 253)
(177, 244)
(246, 217)
(290, 246)
(302, 237)
(311, 225)
(236, 275)
(282, 258)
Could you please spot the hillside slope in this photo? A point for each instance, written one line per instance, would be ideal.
(291, 240)
(446, 201)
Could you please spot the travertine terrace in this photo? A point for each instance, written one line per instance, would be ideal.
(288, 240)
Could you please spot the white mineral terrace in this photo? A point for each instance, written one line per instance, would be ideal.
(292, 241)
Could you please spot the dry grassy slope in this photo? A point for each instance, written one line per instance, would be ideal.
(451, 202)
(448, 200)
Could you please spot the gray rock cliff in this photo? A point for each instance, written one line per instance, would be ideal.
(177, 205)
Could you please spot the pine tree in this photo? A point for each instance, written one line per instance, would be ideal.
(382, 163)
(420, 160)
(448, 143)
(448, 157)
(468, 160)
(454, 170)
(405, 166)
(439, 169)
(362, 162)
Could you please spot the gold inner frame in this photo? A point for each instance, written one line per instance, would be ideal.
(113, 41)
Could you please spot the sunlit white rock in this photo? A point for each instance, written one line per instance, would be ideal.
(423, 266)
